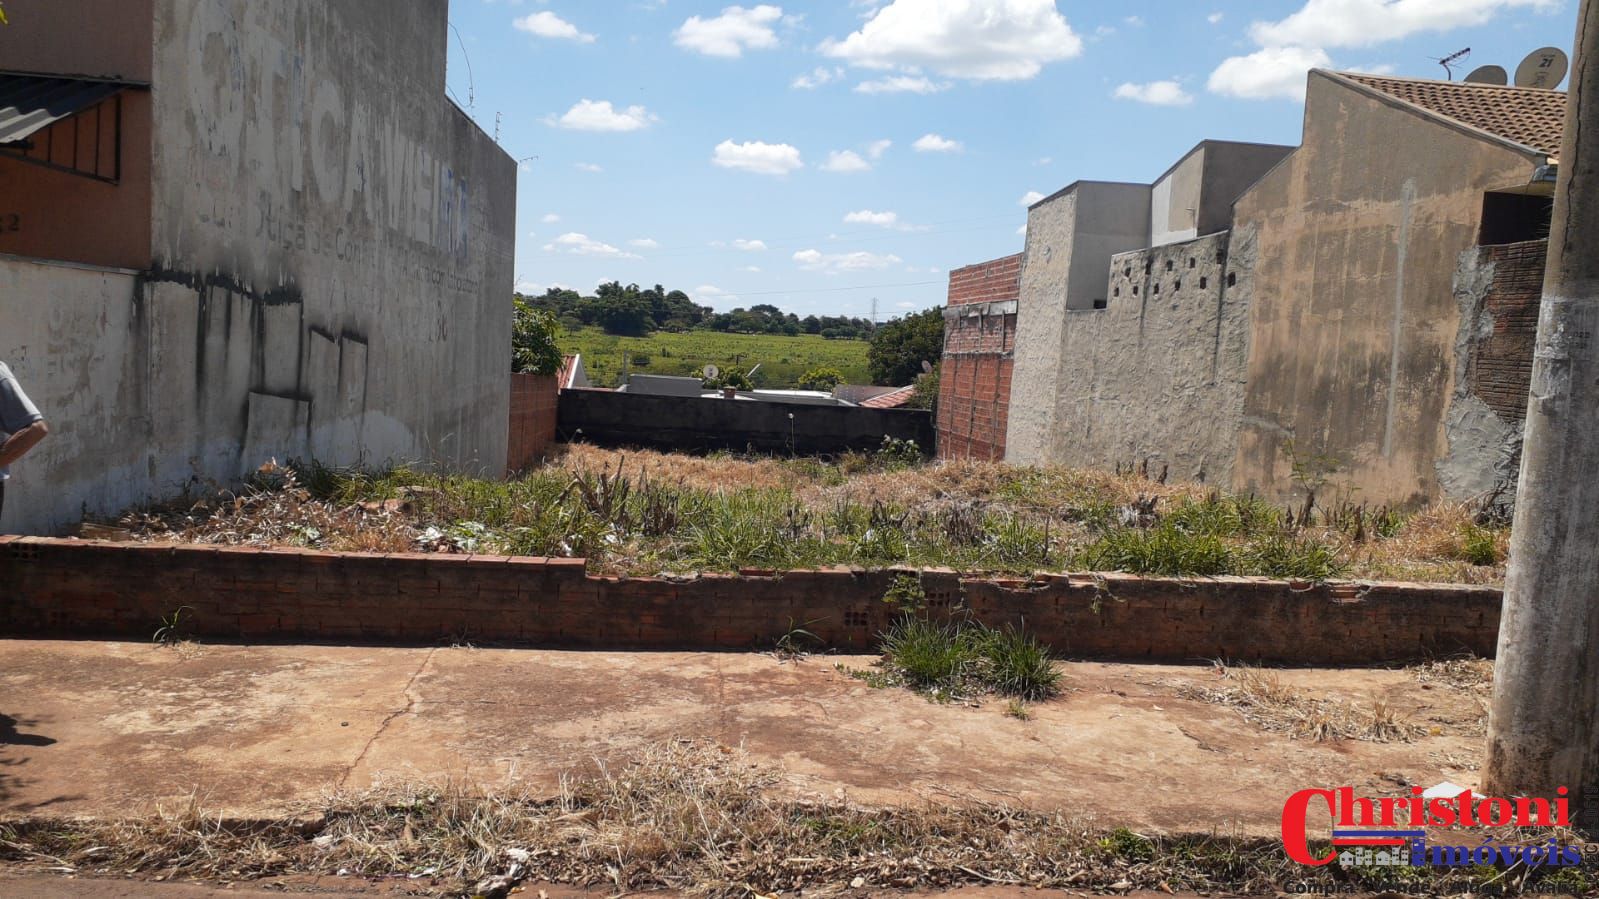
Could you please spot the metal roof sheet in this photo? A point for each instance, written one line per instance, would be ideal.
(29, 103)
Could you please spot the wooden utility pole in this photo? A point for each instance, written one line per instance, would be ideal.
(1543, 731)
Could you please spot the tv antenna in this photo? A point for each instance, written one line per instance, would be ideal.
(1453, 59)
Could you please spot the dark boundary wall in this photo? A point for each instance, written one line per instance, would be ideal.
(73, 588)
(697, 424)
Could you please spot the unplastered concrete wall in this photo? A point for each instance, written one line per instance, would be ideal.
(1071, 237)
(1353, 317)
(1156, 376)
(329, 271)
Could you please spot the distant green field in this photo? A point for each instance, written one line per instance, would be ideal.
(783, 360)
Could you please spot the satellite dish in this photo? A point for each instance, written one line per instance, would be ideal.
(1544, 68)
(712, 372)
(1488, 75)
(927, 367)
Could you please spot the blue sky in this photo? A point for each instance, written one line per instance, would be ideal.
(818, 155)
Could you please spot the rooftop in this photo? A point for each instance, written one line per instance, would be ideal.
(891, 400)
(1532, 117)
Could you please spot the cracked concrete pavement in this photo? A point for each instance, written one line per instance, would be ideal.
(90, 728)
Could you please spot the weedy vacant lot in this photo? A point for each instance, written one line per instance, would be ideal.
(783, 360)
(645, 513)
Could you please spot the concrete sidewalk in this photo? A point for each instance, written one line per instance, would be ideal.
(100, 729)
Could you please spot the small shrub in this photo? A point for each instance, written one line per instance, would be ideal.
(894, 454)
(1163, 549)
(906, 593)
(1479, 545)
(927, 655)
(1286, 556)
(1017, 664)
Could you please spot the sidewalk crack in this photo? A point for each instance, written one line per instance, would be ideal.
(410, 704)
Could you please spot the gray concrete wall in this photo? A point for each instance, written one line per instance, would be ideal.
(1230, 169)
(694, 424)
(1071, 237)
(1353, 314)
(330, 268)
(1156, 376)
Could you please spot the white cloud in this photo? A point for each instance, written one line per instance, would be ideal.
(905, 304)
(550, 25)
(1155, 93)
(592, 115)
(1043, 160)
(1275, 72)
(587, 167)
(1293, 45)
(877, 148)
(868, 217)
(644, 243)
(1030, 198)
(1135, 21)
(751, 268)
(728, 35)
(710, 293)
(1364, 23)
(816, 78)
(845, 162)
(550, 218)
(933, 143)
(901, 84)
(749, 246)
(758, 157)
(1003, 40)
(577, 244)
(1022, 229)
(1215, 18)
(832, 263)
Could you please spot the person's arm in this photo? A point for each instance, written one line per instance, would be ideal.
(18, 444)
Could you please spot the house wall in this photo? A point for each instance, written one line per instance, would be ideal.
(533, 414)
(1157, 375)
(51, 214)
(1498, 289)
(1230, 169)
(979, 344)
(93, 38)
(1353, 318)
(331, 277)
(1070, 239)
(1175, 200)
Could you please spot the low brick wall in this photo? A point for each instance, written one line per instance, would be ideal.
(73, 588)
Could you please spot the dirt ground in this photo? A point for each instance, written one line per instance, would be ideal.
(101, 729)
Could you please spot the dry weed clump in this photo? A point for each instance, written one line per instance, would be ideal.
(689, 816)
(1264, 700)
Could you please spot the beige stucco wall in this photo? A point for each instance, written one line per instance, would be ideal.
(1353, 318)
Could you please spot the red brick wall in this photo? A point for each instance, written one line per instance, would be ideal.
(533, 403)
(974, 383)
(1501, 364)
(89, 589)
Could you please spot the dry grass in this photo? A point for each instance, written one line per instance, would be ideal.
(675, 512)
(688, 816)
(1264, 700)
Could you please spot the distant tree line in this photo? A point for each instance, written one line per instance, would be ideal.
(632, 311)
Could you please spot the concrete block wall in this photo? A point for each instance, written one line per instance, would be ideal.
(978, 360)
(70, 588)
(533, 416)
(1157, 375)
(696, 424)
